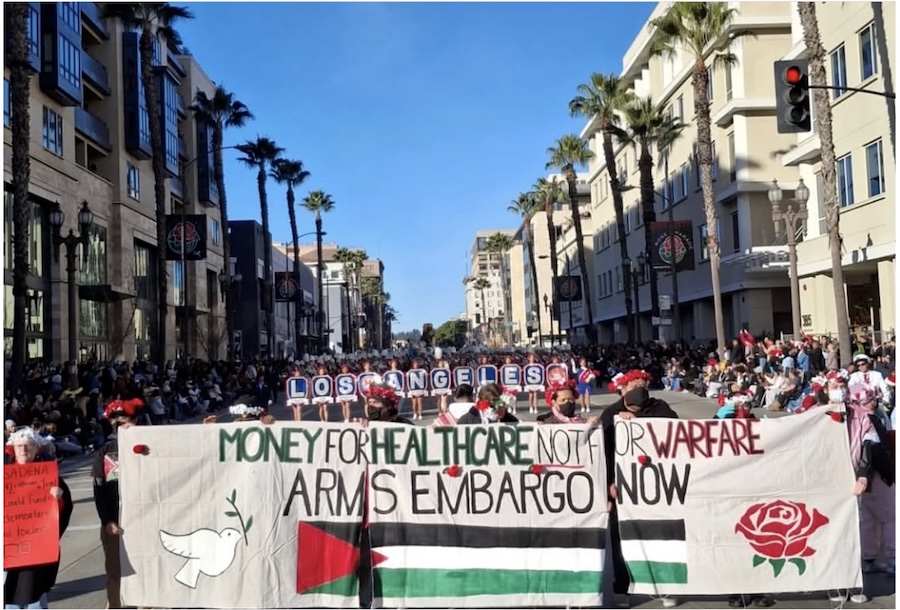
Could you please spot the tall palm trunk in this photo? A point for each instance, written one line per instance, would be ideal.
(320, 279)
(590, 330)
(292, 215)
(267, 258)
(484, 319)
(19, 85)
(507, 327)
(619, 209)
(380, 312)
(554, 271)
(535, 302)
(648, 199)
(219, 169)
(151, 101)
(705, 159)
(816, 54)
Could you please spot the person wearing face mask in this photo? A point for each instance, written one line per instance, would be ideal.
(562, 398)
(28, 587)
(492, 407)
(381, 404)
(105, 472)
(635, 403)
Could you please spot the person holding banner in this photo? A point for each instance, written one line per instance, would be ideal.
(635, 403)
(382, 401)
(27, 587)
(493, 406)
(562, 399)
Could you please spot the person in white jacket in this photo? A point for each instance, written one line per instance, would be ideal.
(869, 378)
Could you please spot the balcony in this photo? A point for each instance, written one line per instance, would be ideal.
(90, 14)
(95, 73)
(760, 259)
(175, 64)
(175, 188)
(179, 104)
(93, 128)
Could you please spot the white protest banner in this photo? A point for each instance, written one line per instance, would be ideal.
(487, 516)
(247, 515)
(241, 515)
(712, 507)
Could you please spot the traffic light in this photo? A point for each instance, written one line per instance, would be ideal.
(792, 96)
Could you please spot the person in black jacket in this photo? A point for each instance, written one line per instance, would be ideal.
(635, 403)
(381, 403)
(106, 495)
(28, 587)
(491, 408)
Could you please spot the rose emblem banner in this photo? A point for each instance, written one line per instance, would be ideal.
(737, 506)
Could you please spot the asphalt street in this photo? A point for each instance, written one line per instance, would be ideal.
(81, 581)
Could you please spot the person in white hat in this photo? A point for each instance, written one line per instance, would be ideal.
(864, 376)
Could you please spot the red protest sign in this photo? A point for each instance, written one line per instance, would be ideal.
(30, 515)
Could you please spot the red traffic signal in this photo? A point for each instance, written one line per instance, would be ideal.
(793, 75)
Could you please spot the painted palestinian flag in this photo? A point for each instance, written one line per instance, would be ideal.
(655, 552)
(441, 565)
(327, 561)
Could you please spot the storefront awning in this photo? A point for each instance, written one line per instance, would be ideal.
(103, 293)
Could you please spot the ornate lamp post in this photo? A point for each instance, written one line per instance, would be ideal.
(230, 285)
(71, 242)
(637, 266)
(793, 219)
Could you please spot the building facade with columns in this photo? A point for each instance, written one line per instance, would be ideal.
(90, 142)
(860, 40)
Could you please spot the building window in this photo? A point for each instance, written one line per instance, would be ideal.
(736, 232)
(93, 319)
(695, 161)
(618, 279)
(728, 86)
(144, 272)
(34, 35)
(178, 281)
(838, 72)
(680, 105)
(69, 61)
(215, 231)
(845, 180)
(704, 246)
(732, 158)
(666, 196)
(37, 228)
(684, 181)
(875, 168)
(868, 54)
(171, 149)
(92, 263)
(70, 14)
(709, 85)
(134, 181)
(53, 132)
(715, 162)
(7, 106)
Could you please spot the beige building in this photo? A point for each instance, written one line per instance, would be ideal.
(859, 38)
(753, 278)
(486, 309)
(90, 142)
(515, 285)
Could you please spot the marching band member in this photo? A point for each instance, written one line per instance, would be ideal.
(585, 376)
(416, 400)
(345, 401)
(533, 394)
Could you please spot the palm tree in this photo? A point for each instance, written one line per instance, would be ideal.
(222, 111)
(570, 152)
(291, 173)
(153, 19)
(373, 290)
(648, 125)
(702, 28)
(526, 205)
(815, 53)
(318, 202)
(19, 92)
(549, 192)
(499, 244)
(263, 154)
(601, 99)
(352, 260)
(481, 284)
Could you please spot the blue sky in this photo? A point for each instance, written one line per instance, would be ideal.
(423, 121)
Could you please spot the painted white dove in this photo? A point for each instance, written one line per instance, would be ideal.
(207, 552)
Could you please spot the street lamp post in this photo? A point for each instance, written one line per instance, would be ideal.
(230, 286)
(71, 242)
(794, 222)
(636, 268)
(549, 307)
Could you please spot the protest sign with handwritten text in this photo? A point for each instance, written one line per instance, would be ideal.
(30, 515)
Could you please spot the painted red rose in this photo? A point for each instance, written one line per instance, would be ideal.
(643, 459)
(141, 449)
(453, 471)
(537, 468)
(780, 529)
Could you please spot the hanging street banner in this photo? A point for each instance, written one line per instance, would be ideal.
(287, 287)
(248, 515)
(672, 241)
(729, 506)
(568, 288)
(191, 233)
